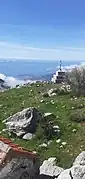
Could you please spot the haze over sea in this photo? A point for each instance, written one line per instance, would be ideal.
(15, 71)
(18, 68)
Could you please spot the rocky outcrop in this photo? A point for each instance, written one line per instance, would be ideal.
(23, 122)
(51, 92)
(49, 170)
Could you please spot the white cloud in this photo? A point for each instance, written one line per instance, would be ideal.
(11, 81)
(8, 50)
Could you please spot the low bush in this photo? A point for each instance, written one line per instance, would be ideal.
(78, 116)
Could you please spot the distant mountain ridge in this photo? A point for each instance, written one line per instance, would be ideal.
(46, 77)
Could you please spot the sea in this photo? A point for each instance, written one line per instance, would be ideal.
(15, 71)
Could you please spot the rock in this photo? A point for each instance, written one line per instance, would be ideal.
(43, 145)
(23, 122)
(49, 168)
(58, 141)
(65, 175)
(78, 172)
(64, 143)
(41, 101)
(48, 114)
(80, 160)
(49, 142)
(56, 129)
(51, 92)
(28, 136)
(74, 130)
(4, 130)
(20, 133)
(52, 102)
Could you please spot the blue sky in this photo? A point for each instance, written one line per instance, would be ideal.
(42, 29)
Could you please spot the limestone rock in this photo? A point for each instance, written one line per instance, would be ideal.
(80, 160)
(23, 122)
(49, 168)
(28, 136)
(65, 175)
(44, 145)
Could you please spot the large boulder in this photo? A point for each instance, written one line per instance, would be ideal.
(49, 170)
(23, 122)
(77, 171)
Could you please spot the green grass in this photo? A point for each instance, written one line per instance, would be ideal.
(16, 100)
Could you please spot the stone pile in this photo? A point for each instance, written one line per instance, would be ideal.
(49, 170)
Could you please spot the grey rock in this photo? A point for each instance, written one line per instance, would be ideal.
(23, 122)
(49, 168)
(77, 171)
(28, 136)
(44, 145)
(65, 175)
(80, 160)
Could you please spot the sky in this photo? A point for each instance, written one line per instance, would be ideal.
(42, 29)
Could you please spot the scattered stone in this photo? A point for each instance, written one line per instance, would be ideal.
(61, 146)
(51, 92)
(64, 143)
(74, 130)
(49, 142)
(56, 127)
(75, 98)
(4, 130)
(44, 145)
(58, 141)
(28, 136)
(41, 101)
(49, 169)
(63, 106)
(47, 114)
(37, 85)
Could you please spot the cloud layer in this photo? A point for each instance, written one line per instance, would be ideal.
(11, 81)
(8, 50)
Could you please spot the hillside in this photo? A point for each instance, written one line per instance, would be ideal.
(66, 110)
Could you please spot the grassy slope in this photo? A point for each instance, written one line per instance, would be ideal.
(12, 102)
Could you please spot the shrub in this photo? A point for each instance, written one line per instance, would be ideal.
(64, 90)
(39, 132)
(76, 79)
(45, 95)
(78, 116)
